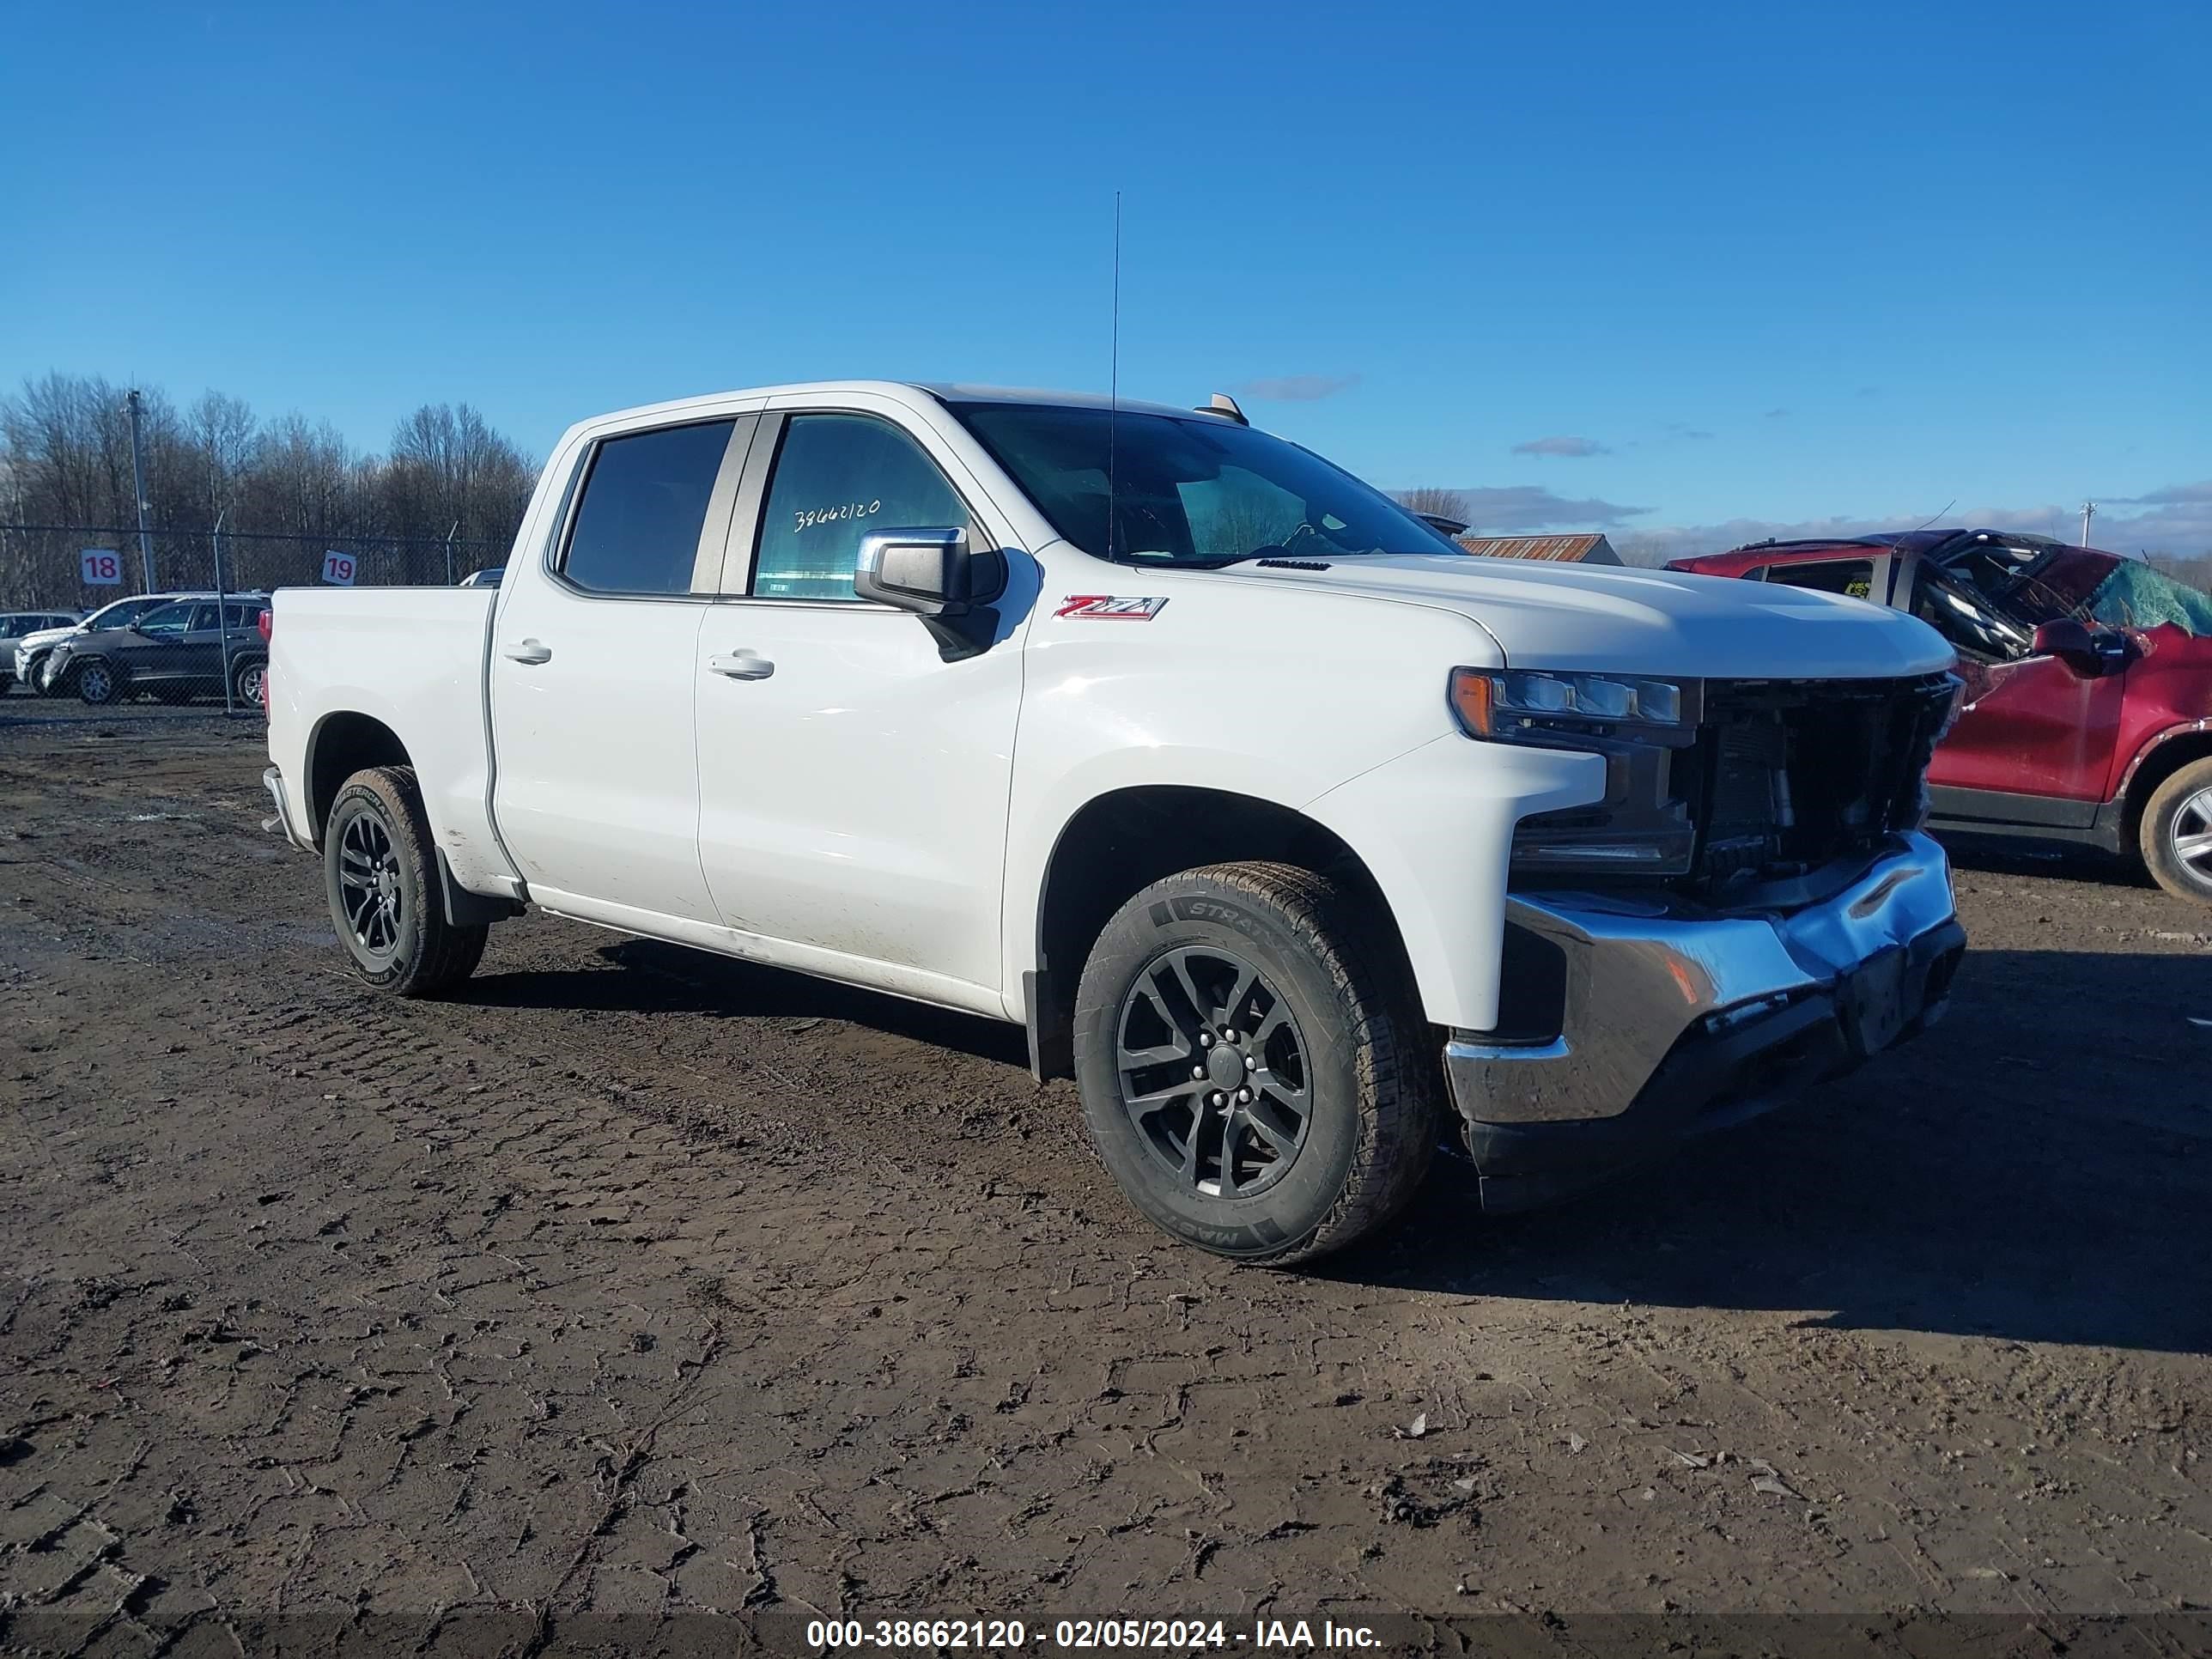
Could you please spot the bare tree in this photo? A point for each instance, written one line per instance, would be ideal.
(222, 436)
(449, 467)
(1434, 498)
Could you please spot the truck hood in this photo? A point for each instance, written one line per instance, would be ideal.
(1613, 617)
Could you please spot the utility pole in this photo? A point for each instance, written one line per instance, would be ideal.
(223, 609)
(138, 488)
(2088, 511)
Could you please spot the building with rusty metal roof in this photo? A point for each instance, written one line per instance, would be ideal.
(1565, 550)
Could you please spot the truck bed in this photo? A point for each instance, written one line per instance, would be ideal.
(412, 659)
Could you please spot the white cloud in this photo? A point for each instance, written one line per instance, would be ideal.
(1496, 509)
(1563, 446)
(2177, 519)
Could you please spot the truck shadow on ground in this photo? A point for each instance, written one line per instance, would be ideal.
(2038, 1167)
(650, 977)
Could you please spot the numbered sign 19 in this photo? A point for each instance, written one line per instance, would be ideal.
(337, 569)
(102, 567)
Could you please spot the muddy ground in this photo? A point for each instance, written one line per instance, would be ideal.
(633, 1281)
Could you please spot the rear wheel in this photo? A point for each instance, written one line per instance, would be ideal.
(99, 682)
(2176, 833)
(382, 882)
(1253, 1063)
(246, 680)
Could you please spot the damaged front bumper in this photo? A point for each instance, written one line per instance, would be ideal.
(1670, 1018)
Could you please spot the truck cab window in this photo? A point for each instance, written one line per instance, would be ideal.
(645, 502)
(837, 478)
(1851, 577)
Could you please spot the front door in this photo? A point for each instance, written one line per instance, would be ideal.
(152, 652)
(852, 782)
(2030, 725)
(592, 679)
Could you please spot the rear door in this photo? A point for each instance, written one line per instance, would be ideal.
(852, 782)
(196, 664)
(593, 660)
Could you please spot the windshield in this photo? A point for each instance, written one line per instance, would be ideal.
(1200, 492)
(122, 613)
(2034, 581)
(2136, 596)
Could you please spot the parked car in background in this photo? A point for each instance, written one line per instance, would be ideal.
(176, 651)
(14, 625)
(31, 651)
(2087, 715)
(488, 577)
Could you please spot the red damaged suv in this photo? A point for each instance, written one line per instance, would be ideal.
(2087, 712)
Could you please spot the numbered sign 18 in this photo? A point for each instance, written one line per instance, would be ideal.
(338, 568)
(102, 567)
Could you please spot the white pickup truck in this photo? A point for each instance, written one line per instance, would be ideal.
(1277, 820)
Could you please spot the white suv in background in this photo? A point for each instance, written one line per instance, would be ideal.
(16, 625)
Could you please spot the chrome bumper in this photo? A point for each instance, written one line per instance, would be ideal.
(1671, 1017)
(272, 779)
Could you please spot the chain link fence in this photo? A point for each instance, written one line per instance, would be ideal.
(44, 567)
(195, 652)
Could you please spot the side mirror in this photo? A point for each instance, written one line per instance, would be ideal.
(2070, 642)
(929, 572)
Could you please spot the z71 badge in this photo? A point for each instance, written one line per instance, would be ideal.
(1105, 607)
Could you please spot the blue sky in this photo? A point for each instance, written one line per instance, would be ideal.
(1633, 266)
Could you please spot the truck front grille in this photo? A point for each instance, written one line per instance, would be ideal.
(1793, 774)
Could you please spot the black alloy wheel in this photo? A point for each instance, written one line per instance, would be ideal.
(381, 873)
(1213, 1072)
(369, 885)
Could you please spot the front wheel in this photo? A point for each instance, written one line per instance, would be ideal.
(382, 881)
(1253, 1063)
(97, 683)
(2176, 833)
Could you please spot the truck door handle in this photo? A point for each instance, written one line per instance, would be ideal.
(528, 651)
(742, 665)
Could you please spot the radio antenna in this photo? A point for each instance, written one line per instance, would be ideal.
(1936, 515)
(1113, 379)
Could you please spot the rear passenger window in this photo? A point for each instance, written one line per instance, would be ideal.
(645, 502)
(838, 476)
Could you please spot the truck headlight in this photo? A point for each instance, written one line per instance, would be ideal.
(1646, 729)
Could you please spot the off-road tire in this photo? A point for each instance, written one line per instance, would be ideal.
(1372, 1081)
(99, 681)
(428, 954)
(2161, 822)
